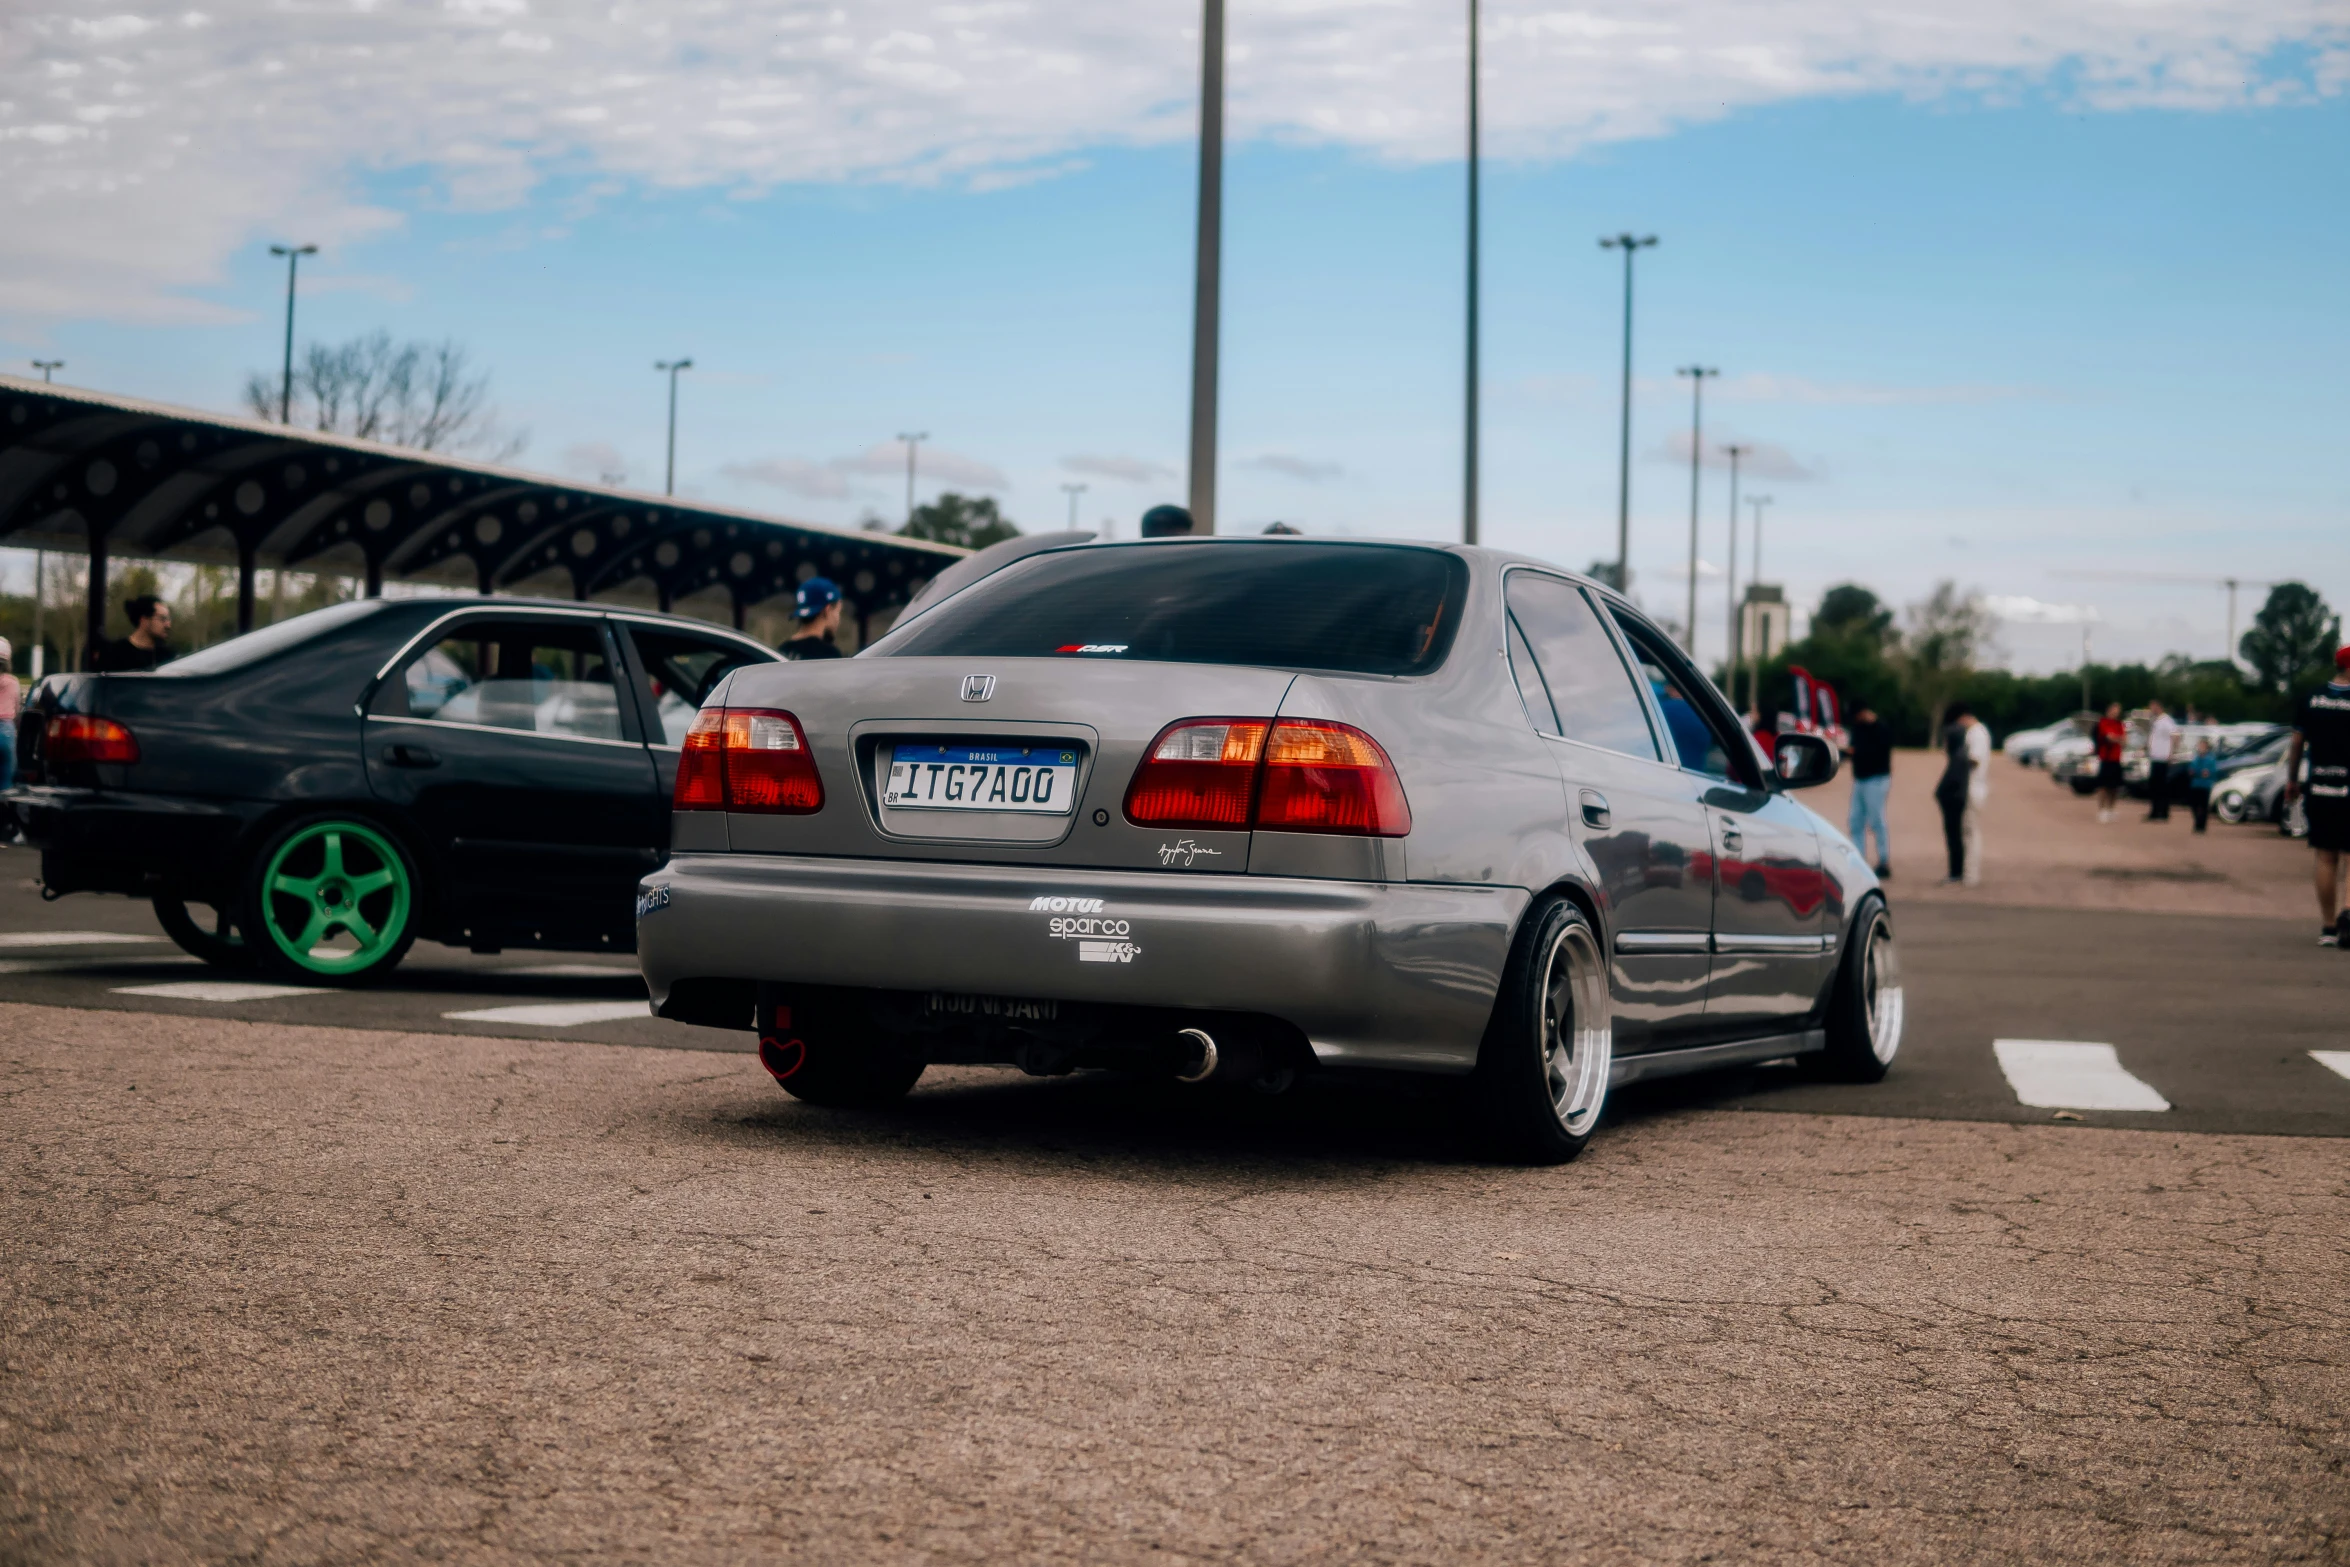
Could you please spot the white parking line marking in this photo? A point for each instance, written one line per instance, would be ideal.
(70, 938)
(574, 971)
(2333, 1060)
(69, 965)
(217, 990)
(2064, 1074)
(556, 1014)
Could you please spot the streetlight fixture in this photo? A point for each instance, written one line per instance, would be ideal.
(670, 367)
(1469, 416)
(47, 367)
(913, 439)
(1207, 267)
(1628, 244)
(285, 391)
(1697, 375)
(1730, 646)
(1754, 657)
(1073, 491)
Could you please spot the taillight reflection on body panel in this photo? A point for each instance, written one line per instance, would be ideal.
(1294, 775)
(747, 759)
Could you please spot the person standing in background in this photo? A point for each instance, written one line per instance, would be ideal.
(818, 614)
(145, 648)
(1872, 782)
(1964, 787)
(2202, 777)
(2162, 738)
(2322, 727)
(11, 702)
(2112, 734)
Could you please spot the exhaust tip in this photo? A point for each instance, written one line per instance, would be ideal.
(1200, 1054)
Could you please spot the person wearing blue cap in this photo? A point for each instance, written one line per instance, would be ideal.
(819, 614)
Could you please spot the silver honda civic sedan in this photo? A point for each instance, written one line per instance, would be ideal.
(1245, 809)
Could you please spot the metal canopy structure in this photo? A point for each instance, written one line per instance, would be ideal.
(85, 471)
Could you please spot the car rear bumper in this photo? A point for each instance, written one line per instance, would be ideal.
(104, 840)
(1373, 974)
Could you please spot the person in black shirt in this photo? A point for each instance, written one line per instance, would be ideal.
(1872, 781)
(145, 647)
(819, 615)
(2322, 727)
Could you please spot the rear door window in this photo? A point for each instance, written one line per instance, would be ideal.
(1355, 608)
(681, 670)
(1590, 689)
(542, 676)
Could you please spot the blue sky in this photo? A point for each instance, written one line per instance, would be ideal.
(2000, 333)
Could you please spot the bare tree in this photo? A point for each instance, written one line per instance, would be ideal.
(417, 394)
(1948, 631)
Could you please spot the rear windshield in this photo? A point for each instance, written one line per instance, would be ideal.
(1359, 608)
(254, 646)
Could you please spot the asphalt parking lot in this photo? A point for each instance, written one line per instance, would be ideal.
(2219, 1015)
(409, 1274)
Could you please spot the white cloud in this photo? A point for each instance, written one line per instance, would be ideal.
(1763, 387)
(1303, 469)
(2026, 610)
(883, 460)
(1756, 459)
(1119, 470)
(137, 153)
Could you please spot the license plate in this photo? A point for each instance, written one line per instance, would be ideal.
(1038, 780)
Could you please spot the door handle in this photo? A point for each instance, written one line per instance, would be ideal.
(410, 756)
(1732, 840)
(1595, 811)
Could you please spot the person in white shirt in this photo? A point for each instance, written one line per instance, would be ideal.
(1964, 789)
(2162, 741)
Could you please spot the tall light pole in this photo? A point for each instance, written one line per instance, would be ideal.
(1469, 416)
(1697, 375)
(1730, 646)
(47, 367)
(1207, 267)
(913, 439)
(670, 367)
(1628, 244)
(285, 390)
(1754, 656)
(1073, 491)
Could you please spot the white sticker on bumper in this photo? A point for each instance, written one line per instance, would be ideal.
(1107, 951)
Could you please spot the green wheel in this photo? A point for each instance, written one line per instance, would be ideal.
(331, 899)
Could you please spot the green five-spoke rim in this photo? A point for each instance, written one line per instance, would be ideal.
(335, 879)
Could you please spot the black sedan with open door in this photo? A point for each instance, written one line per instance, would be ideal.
(313, 797)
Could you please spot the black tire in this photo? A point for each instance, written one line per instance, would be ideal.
(218, 943)
(830, 1053)
(1541, 1082)
(2084, 786)
(1865, 1008)
(331, 848)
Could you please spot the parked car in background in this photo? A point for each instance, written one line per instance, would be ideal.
(2030, 747)
(1236, 809)
(2254, 789)
(313, 797)
(1817, 711)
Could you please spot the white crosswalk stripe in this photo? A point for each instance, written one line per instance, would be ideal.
(2068, 1074)
(223, 990)
(2333, 1060)
(555, 1014)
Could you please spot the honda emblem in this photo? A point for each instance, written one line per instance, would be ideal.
(978, 688)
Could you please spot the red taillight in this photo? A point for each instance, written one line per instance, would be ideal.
(1295, 775)
(701, 765)
(748, 759)
(1325, 777)
(1199, 773)
(74, 738)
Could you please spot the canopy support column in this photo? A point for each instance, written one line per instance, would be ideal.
(245, 573)
(375, 578)
(96, 607)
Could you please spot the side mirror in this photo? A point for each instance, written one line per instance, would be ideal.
(1804, 761)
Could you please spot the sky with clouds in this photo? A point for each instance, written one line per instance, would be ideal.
(2030, 294)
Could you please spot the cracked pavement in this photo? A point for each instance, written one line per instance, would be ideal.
(280, 1294)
